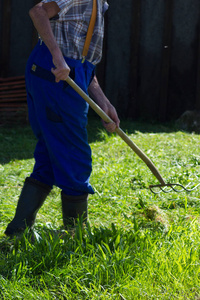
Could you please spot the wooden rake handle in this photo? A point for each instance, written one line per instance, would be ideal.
(119, 131)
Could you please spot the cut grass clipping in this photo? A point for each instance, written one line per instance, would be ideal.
(136, 245)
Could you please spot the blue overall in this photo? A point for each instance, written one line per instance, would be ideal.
(58, 117)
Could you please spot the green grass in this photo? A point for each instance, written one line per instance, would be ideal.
(137, 245)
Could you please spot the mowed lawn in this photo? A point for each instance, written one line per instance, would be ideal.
(136, 245)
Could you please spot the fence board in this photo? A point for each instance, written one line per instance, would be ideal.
(166, 55)
(197, 103)
(132, 102)
(5, 46)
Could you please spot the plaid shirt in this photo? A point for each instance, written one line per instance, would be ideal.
(70, 28)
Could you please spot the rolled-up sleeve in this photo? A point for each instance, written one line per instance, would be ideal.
(64, 5)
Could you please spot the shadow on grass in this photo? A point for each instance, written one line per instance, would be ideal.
(129, 127)
(18, 142)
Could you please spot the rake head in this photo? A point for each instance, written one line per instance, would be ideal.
(169, 187)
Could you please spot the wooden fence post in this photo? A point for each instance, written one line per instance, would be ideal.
(166, 55)
(5, 45)
(135, 38)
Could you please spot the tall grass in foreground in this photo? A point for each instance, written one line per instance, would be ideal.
(137, 245)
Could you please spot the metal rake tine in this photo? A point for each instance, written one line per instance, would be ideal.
(189, 190)
(172, 188)
(177, 184)
(183, 188)
(166, 191)
(161, 189)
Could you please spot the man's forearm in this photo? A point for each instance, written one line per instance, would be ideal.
(97, 94)
(40, 15)
(99, 97)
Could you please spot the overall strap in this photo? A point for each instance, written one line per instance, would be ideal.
(90, 30)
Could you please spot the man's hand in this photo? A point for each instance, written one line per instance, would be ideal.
(111, 112)
(99, 97)
(61, 70)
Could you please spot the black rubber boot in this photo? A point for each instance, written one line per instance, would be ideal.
(74, 208)
(31, 199)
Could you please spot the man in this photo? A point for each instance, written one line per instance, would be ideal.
(57, 114)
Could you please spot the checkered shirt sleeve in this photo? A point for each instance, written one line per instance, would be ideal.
(61, 3)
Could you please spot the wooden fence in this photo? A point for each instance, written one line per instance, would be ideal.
(163, 79)
(146, 45)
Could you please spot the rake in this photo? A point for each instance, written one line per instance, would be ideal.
(156, 189)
